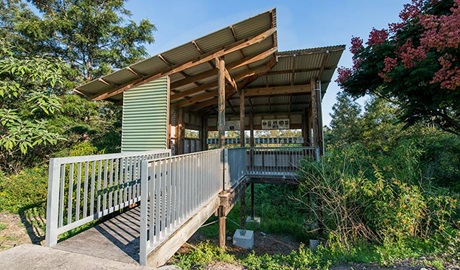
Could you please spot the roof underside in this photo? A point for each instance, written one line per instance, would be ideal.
(273, 81)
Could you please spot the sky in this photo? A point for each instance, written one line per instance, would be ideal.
(301, 24)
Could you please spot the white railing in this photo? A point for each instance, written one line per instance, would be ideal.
(85, 188)
(236, 166)
(277, 160)
(173, 190)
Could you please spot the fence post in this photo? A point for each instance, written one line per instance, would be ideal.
(226, 172)
(52, 205)
(317, 153)
(144, 206)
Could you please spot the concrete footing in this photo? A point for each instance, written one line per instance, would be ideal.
(244, 239)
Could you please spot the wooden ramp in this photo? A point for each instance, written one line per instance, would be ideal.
(176, 195)
(116, 239)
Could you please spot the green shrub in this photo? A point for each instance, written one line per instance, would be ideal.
(22, 190)
(382, 198)
(203, 254)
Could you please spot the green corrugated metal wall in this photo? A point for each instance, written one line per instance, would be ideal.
(145, 116)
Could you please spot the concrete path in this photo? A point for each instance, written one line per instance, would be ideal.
(33, 257)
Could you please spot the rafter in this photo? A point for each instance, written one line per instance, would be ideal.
(180, 67)
(107, 82)
(251, 59)
(195, 90)
(197, 98)
(233, 65)
(247, 80)
(275, 104)
(213, 84)
(164, 60)
(325, 58)
(277, 90)
(135, 72)
(299, 70)
(197, 47)
(230, 80)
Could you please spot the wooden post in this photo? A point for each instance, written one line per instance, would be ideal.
(251, 140)
(222, 228)
(180, 132)
(242, 115)
(316, 136)
(204, 133)
(168, 113)
(314, 109)
(320, 117)
(220, 63)
(242, 144)
(222, 213)
(305, 128)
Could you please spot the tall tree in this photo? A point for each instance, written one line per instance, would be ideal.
(345, 122)
(37, 46)
(416, 62)
(94, 37)
(27, 106)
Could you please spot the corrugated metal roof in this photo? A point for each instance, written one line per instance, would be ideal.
(188, 58)
(253, 64)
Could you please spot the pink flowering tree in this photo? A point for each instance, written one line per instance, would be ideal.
(415, 62)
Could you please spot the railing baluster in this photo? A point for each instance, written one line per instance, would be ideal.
(157, 200)
(182, 185)
(110, 204)
(69, 208)
(153, 204)
(169, 186)
(70, 194)
(116, 203)
(165, 196)
(128, 181)
(93, 184)
(122, 183)
(99, 190)
(104, 200)
(85, 191)
(135, 179)
(78, 191)
(61, 196)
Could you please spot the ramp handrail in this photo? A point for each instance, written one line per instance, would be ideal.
(173, 190)
(277, 160)
(236, 166)
(85, 188)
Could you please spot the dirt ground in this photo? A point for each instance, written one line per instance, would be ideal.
(278, 244)
(12, 231)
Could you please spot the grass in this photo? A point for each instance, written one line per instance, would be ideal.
(273, 204)
(3, 226)
(281, 215)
